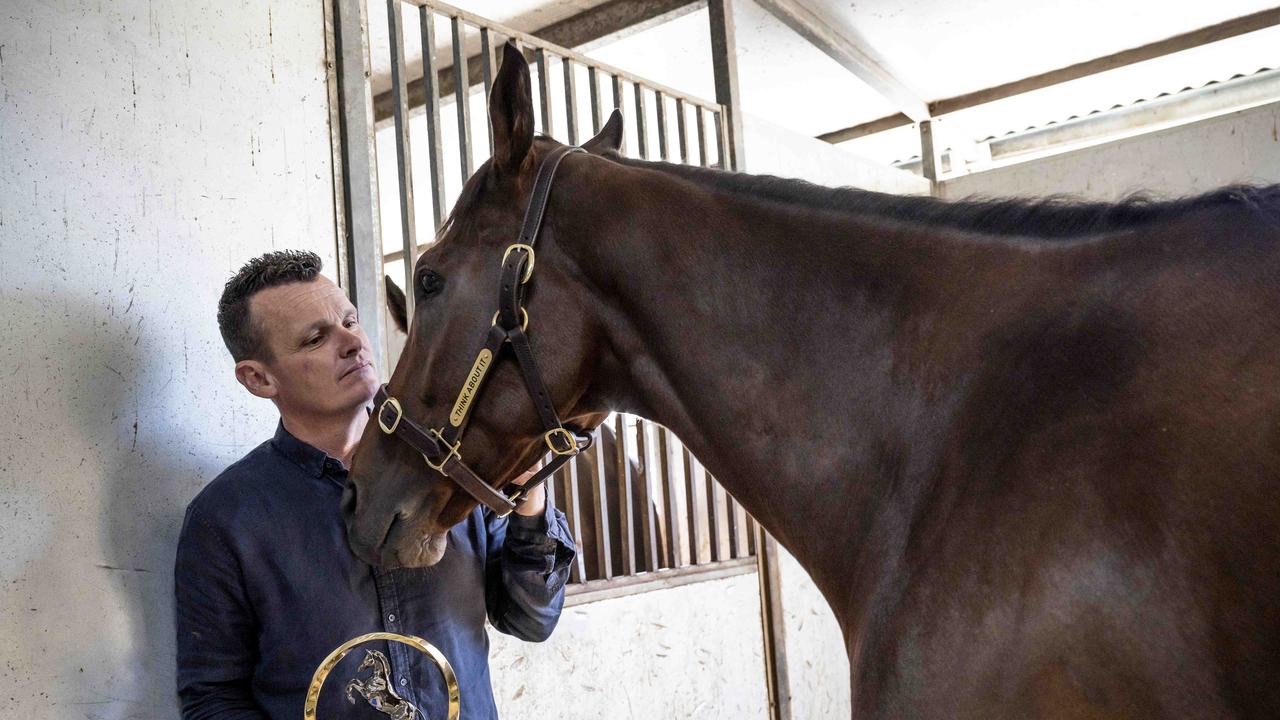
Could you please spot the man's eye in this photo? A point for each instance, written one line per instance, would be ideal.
(431, 282)
(314, 341)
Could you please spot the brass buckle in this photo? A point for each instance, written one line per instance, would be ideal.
(573, 442)
(394, 403)
(453, 452)
(528, 269)
(515, 499)
(524, 319)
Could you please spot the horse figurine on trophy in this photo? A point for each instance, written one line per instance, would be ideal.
(377, 690)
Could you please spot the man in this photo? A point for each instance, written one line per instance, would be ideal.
(265, 583)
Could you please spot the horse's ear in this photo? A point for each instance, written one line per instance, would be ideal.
(396, 304)
(511, 111)
(609, 139)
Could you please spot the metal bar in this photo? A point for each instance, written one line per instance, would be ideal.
(535, 39)
(669, 455)
(695, 510)
(617, 103)
(363, 243)
(854, 132)
(486, 71)
(427, 23)
(626, 523)
(593, 81)
(570, 100)
(644, 485)
(599, 479)
(773, 626)
(702, 137)
(335, 147)
(930, 162)
(744, 546)
(725, 66)
(642, 122)
(460, 88)
(682, 132)
(714, 506)
(404, 155)
(661, 104)
(722, 142)
(596, 590)
(544, 90)
(731, 508)
(573, 514)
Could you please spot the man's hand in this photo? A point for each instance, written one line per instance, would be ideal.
(535, 503)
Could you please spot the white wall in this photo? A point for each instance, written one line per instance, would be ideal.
(1238, 147)
(691, 651)
(149, 148)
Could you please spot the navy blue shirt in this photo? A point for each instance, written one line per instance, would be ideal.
(266, 586)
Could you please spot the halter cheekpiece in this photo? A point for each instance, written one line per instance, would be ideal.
(441, 448)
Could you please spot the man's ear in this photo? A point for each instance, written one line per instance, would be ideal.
(511, 112)
(609, 139)
(396, 304)
(255, 378)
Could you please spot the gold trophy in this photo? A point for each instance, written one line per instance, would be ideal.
(377, 689)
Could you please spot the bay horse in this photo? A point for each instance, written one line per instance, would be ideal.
(1028, 450)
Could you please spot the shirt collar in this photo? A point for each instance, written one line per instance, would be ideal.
(312, 460)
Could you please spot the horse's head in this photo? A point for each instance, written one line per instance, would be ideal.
(397, 509)
(370, 661)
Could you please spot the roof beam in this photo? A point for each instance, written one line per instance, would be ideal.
(843, 50)
(854, 132)
(602, 23)
(1160, 48)
(1186, 41)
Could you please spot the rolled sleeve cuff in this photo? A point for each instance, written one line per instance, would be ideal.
(546, 535)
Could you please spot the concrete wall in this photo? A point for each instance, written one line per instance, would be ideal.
(149, 148)
(1234, 148)
(691, 651)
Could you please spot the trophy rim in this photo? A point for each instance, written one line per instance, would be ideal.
(417, 643)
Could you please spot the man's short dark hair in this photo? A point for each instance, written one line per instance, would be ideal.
(243, 336)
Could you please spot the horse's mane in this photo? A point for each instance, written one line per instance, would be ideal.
(1056, 216)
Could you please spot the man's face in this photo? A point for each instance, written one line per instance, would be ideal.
(321, 362)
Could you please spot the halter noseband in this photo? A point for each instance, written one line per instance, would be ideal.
(441, 448)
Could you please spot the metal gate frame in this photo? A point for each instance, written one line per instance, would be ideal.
(357, 229)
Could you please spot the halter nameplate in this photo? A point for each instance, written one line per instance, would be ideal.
(468, 392)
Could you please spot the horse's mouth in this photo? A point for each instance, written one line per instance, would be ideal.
(417, 552)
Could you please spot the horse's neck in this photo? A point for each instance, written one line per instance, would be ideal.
(772, 344)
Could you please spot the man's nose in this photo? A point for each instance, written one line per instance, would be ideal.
(351, 343)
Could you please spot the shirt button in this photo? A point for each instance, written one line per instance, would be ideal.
(404, 682)
(391, 617)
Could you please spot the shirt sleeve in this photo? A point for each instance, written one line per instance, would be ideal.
(216, 628)
(527, 568)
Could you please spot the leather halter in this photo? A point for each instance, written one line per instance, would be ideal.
(441, 448)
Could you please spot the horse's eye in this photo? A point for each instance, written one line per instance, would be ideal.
(431, 282)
